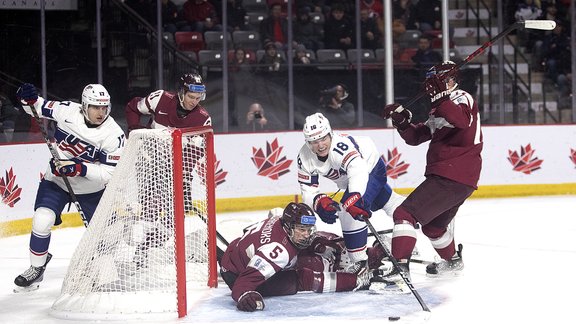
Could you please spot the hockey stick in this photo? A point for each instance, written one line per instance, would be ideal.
(388, 231)
(57, 162)
(219, 251)
(526, 24)
(397, 266)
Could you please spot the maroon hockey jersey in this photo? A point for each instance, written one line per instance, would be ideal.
(261, 252)
(163, 105)
(453, 129)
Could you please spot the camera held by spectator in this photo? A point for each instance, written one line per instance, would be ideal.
(255, 116)
(332, 97)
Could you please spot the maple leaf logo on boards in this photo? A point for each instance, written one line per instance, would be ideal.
(573, 156)
(270, 164)
(219, 175)
(524, 162)
(9, 190)
(394, 167)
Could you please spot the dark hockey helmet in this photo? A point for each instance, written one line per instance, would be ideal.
(442, 69)
(299, 222)
(191, 82)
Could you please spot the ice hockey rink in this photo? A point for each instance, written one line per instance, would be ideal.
(520, 256)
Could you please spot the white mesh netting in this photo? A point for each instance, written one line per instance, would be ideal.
(125, 264)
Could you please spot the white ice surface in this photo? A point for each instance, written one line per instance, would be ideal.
(520, 257)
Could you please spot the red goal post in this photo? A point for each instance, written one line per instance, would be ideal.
(153, 236)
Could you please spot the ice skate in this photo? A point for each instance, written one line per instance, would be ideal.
(390, 282)
(363, 278)
(29, 280)
(443, 268)
(356, 267)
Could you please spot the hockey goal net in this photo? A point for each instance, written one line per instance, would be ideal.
(153, 235)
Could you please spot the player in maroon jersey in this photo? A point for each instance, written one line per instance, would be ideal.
(169, 109)
(453, 164)
(265, 260)
(178, 110)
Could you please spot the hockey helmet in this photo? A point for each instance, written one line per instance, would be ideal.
(316, 127)
(95, 95)
(299, 222)
(442, 69)
(191, 82)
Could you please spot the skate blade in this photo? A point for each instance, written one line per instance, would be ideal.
(32, 287)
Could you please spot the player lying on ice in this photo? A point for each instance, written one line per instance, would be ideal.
(284, 254)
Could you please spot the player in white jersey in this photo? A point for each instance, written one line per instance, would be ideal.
(355, 165)
(89, 144)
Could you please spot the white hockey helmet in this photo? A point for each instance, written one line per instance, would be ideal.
(95, 95)
(316, 126)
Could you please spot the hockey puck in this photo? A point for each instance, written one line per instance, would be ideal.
(393, 318)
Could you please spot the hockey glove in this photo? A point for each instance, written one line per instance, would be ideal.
(326, 208)
(27, 94)
(325, 247)
(400, 116)
(437, 89)
(355, 206)
(69, 168)
(250, 301)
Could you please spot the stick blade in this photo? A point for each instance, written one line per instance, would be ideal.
(540, 24)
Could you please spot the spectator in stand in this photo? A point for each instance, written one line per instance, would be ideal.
(370, 35)
(172, 19)
(335, 106)
(538, 36)
(401, 20)
(255, 116)
(375, 10)
(425, 56)
(8, 115)
(557, 59)
(272, 61)
(427, 15)
(201, 15)
(338, 29)
(526, 10)
(242, 61)
(301, 57)
(319, 6)
(307, 32)
(236, 15)
(274, 28)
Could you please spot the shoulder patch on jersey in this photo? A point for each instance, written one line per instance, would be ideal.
(203, 111)
(169, 94)
(349, 157)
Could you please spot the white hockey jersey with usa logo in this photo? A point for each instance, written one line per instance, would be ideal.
(99, 148)
(349, 162)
